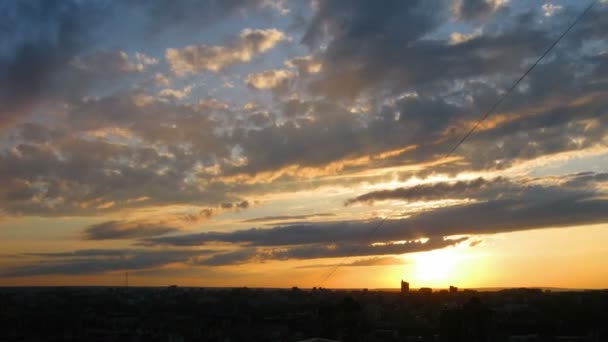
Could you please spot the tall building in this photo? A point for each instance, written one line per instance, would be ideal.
(405, 286)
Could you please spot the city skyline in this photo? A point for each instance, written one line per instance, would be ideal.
(271, 143)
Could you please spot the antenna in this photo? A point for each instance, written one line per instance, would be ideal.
(126, 268)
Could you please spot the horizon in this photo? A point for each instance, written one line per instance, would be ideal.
(273, 143)
(387, 289)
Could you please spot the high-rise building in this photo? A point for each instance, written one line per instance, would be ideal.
(405, 286)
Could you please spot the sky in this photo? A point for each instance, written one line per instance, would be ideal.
(271, 143)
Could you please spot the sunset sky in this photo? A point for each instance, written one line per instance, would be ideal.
(262, 142)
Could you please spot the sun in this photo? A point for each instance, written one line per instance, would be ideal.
(435, 267)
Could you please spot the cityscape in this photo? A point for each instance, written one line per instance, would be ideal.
(247, 314)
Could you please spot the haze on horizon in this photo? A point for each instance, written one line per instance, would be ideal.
(258, 142)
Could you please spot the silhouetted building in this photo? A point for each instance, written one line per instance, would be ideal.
(405, 287)
(453, 289)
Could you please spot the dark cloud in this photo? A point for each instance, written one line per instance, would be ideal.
(474, 243)
(520, 208)
(586, 179)
(101, 261)
(236, 206)
(433, 191)
(359, 32)
(111, 230)
(288, 217)
(500, 206)
(553, 131)
(41, 38)
(346, 21)
(332, 136)
(188, 14)
(316, 251)
(154, 226)
(546, 117)
(230, 258)
(344, 250)
(52, 171)
(386, 49)
(85, 253)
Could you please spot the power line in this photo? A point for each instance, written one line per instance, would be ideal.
(474, 128)
(502, 98)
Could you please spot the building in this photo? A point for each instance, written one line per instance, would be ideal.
(405, 286)
(453, 289)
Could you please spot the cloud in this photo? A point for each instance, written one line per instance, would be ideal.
(476, 10)
(433, 191)
(186, 16)
(229, 258)
(585, 180)
(112, 62)
(82, 262)
(177, 94)
(39, 39)
(288, 217)
(452, 92)
(155, 225)
(550, 9)
(84, 253)
(97, 154)
(316, 251)
(304, 65)
(161, 80)
(111, 230)
(196, 58)
(99, 261)
(360, 56)
(459, 38)
(269, 79)
(361, 47)
(236, 206)
(520, 208)
(278, 5)
(474, 243)
(139, 153)
(500, 206)
(375, 261)
(42, 39)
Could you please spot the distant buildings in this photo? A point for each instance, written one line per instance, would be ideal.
(176, 314)
(453, 289)
(405, 287)
(425, 290)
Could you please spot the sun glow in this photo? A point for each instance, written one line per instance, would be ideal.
(435, 268)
